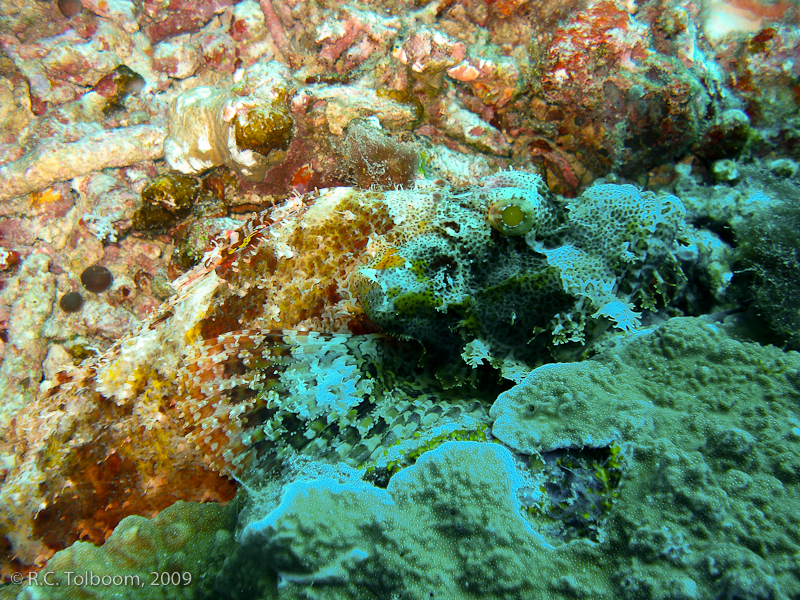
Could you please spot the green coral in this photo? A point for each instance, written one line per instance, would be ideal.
(264, 129)
(676, 456)
(180, 554)
(447, 525)
(767, 272)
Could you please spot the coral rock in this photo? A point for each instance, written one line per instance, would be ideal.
(247, 127)
(179, 17)
(183, 545)
(124, 12)
(644, 108)
(177, 57)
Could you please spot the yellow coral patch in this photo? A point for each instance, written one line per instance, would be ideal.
(44, 197)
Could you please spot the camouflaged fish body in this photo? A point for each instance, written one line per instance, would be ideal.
(353, 324)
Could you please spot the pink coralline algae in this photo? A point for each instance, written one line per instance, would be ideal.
(60, 70)
(766, 74)
(430, 51)
(350, 37)
(644, 106)
(165, 20)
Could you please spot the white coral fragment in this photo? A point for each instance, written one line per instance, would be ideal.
(202, 124)
(623, 315)
(476, 353)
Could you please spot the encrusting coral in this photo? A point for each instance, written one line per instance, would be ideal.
(272, 344)
(178, 554)
(247, 127)
(165, 199)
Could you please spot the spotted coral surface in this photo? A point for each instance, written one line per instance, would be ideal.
(178, 554)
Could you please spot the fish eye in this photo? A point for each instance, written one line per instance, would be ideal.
(512, 216)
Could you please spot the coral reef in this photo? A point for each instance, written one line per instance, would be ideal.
(768, 92)
(30, 300)
(117, 86)
(729, 242)
(185, 545)
(767, 267)
(650, 89)
(246, 128)
(639, 110)
(537, 181)
(672, 415)
(177, 17)
(694, 473)
(450, 524)
(265, 348)
(60, 161)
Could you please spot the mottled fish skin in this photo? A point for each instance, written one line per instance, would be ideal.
(334, 325)
(134, 430)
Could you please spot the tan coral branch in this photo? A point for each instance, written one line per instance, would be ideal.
(59, 161)
(278, 32)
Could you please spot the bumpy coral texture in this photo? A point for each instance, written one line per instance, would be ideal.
(178, 554)
(706, 434)
(266, 349)
(705, 437)
(454, 512)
